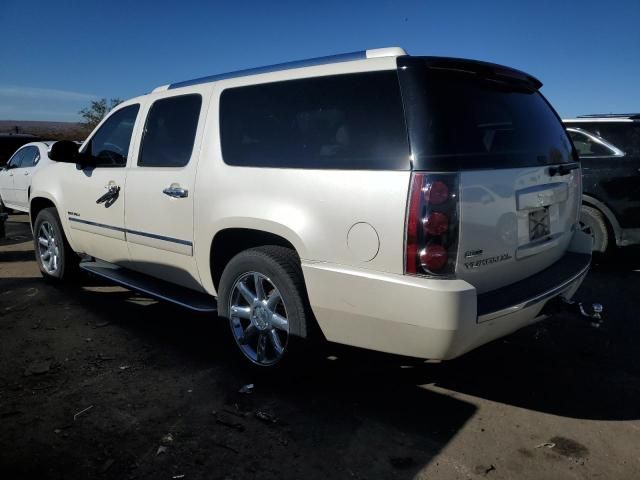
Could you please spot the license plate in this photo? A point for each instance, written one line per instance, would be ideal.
(539, 225)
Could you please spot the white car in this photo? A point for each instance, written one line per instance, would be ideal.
(420, 206)
(16, 175)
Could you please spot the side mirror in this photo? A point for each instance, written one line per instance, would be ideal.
(64, 151)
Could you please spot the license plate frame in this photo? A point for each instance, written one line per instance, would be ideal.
(539, 223)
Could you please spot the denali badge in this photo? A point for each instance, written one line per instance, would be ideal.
(472, 253)
(487, 261)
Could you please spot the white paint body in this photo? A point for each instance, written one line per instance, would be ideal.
(15, 183)
(348, 228)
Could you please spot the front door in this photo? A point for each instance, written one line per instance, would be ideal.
(159, 191)
(7, 193)
(22, 177)
(94, 197)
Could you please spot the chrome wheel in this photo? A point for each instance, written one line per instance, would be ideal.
(258, 318)
(48, 248)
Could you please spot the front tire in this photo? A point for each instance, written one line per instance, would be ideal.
(263, 298)
(56, 260)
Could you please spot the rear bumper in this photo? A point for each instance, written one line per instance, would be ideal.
(427, 318)
(547, 284)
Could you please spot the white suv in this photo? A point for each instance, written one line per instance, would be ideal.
(420, 206)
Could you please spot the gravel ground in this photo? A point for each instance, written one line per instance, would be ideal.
(100, 382)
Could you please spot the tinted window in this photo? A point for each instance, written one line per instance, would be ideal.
(462, 119)
(110, 144)
(588, 147)
(350, 121)
(16, 159)
(170, 131)
(30, 157)
(624, 135)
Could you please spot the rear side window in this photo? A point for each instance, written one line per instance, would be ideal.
(352, 121)
(588, 147)
(624, 135)
(460, 119)
(170, 131)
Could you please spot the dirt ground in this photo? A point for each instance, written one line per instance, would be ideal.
(100, 382)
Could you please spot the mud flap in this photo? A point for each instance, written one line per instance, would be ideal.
(581, 243)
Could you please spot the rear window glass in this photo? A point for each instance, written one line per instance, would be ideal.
(460, 120)
(352, 121)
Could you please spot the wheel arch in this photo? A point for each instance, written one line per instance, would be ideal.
(608, 215)
(228, 242)
(40, 201)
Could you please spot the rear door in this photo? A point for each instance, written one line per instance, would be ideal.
(519, 179)
(160, 190)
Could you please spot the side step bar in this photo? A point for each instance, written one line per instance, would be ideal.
(185, 297)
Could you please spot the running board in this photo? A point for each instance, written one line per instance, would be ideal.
(185, 297)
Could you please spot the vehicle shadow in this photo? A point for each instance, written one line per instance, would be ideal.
(374, 414)
(562, 366)
(362, 412)
(619, 260)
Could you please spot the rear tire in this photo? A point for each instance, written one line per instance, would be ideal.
(56, 260)
(264, 301)
(593, 223)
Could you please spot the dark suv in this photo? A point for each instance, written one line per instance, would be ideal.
(609, 149)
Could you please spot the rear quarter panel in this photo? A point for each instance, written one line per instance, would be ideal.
(312, 209)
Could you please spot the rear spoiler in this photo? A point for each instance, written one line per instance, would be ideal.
(483, 69)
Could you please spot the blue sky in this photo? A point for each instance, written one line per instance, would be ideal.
(58, 55)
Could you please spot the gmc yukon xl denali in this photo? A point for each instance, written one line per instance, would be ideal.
(421, 206)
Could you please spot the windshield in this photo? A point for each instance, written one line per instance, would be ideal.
(470, 119)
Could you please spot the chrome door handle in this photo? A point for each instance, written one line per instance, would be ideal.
(176, 191)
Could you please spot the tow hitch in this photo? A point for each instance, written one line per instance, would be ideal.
(561, 305)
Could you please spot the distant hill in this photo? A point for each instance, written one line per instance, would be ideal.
(45, 130)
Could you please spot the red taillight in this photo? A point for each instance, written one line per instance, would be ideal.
(412, 224)
(432, 224)
(436, 192)
(436, 223)
(433, 257)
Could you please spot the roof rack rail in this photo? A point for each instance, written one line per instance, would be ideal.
(343, 57)
(634, 116)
